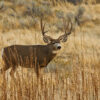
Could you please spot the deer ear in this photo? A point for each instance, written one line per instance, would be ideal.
(47, 39)
(63, 38)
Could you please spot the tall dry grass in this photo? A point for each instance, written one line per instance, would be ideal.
(73, 75)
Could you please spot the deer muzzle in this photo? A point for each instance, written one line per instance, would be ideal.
(57, 46)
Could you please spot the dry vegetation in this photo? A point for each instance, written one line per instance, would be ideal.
(75, 73)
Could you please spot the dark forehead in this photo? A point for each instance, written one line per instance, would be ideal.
(55, 41)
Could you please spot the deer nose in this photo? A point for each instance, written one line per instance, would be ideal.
(59, 47)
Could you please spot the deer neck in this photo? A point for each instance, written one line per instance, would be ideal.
(51, 50)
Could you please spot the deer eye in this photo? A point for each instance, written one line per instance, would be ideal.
(53, 42)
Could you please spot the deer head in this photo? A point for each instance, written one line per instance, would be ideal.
(55, 43)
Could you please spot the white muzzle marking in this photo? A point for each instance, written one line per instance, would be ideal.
(56, 45)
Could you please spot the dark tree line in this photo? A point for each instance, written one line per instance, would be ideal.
(75, 1)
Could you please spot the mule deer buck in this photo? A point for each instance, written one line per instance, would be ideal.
(33, 56)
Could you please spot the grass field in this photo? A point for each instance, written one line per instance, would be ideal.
(74, 74)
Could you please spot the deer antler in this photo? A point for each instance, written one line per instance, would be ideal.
(63, 37)
(42, 27)
(47, 39)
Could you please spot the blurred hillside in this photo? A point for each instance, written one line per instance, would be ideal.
(19, 14)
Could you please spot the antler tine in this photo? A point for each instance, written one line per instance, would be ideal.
(42, 27)
(66, 27)
(70, 29)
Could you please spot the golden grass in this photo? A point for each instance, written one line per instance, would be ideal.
(77, 74)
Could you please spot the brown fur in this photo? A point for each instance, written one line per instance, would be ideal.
(29, 56)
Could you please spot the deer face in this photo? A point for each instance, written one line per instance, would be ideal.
(55, 44)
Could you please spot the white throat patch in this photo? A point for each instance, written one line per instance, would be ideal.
(55, 52)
